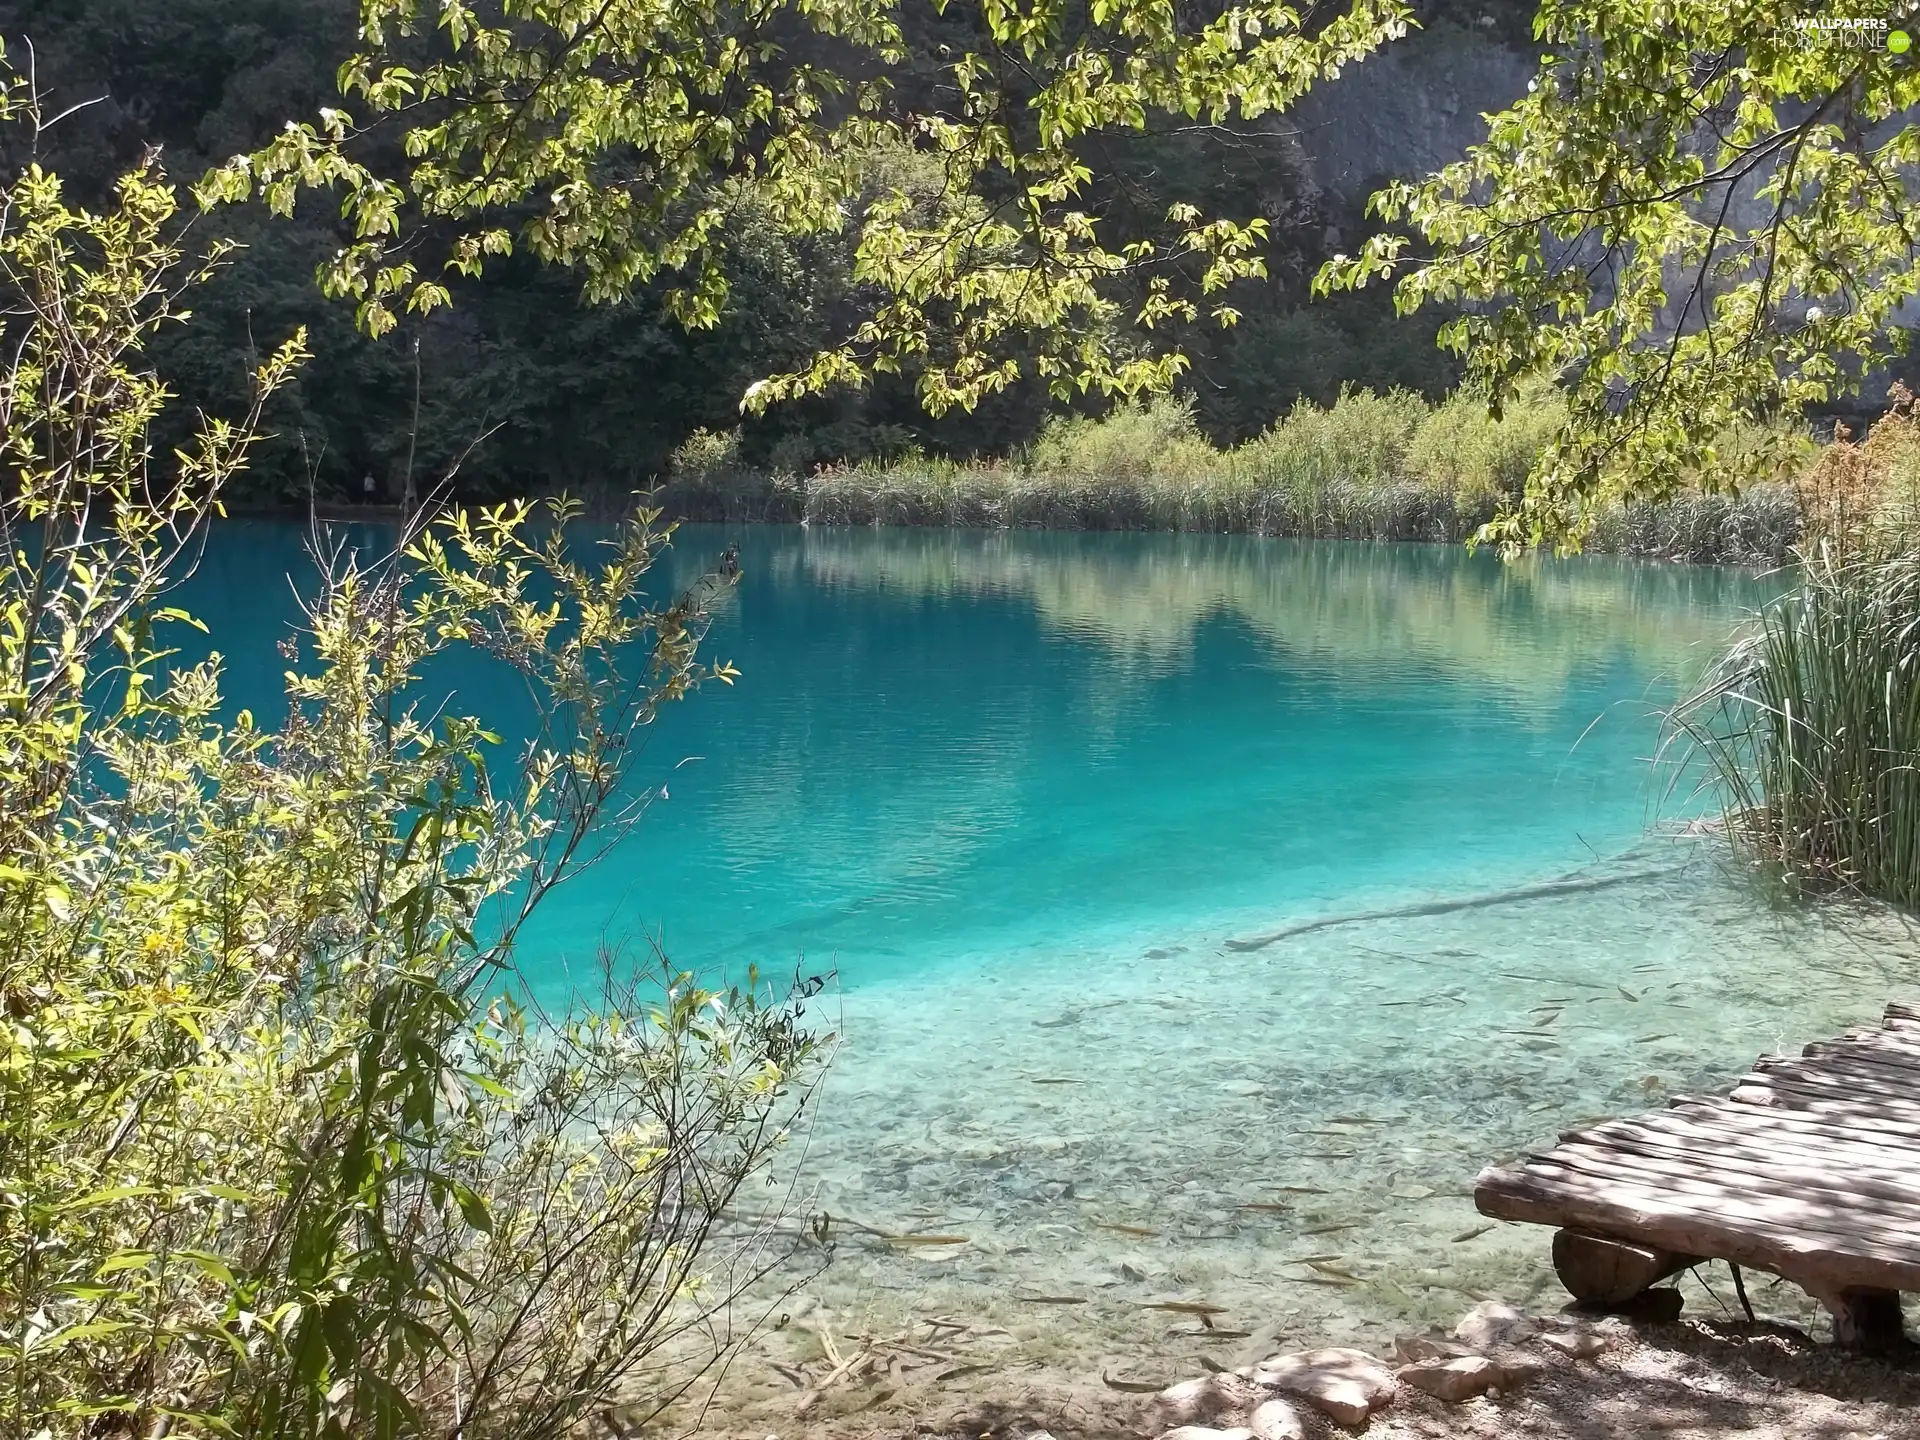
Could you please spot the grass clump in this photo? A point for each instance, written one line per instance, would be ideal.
(1811, 726)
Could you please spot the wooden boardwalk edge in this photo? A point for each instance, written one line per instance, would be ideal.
(1809, 1169)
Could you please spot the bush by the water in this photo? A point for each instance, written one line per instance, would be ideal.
(283, 1150)
(1370, 466)
(1812, 729)
(1811, 726)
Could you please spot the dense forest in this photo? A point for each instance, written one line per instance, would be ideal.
(598, 396)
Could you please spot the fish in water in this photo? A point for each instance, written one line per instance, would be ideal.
(1186, 1307)
(1327, 1267)
(928, 1240)
(1052, 1299)
(1140, 1230)
(1133, 1387)
(957, 1371)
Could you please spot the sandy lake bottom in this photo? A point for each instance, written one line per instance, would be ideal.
(1285, 1137)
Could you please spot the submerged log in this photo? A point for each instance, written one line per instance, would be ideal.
(1599, 1271)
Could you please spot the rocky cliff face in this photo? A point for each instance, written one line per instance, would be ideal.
(1414, 107)
(1420, 104)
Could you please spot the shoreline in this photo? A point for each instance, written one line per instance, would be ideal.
(1697, 530)
(1687, 1368)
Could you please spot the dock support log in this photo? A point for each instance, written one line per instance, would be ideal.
(1599, 1271)
(1866, 1320)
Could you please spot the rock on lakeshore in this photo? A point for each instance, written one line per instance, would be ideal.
(1275, 1419)
(1574, 1344)
(1517, 1367)
(1204, 1400)
(1452, 1380)
(1491, 1325)
(1345, 1385)
(1411, 1349)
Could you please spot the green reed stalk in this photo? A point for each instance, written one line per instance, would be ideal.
(1811, 728)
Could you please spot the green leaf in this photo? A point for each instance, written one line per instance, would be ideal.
(472, 1208)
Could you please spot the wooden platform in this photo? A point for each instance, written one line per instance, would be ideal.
(1809, 1169)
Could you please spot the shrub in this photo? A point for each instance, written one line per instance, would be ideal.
(1864, 497)
(281, 1154)
(1372, 466)
(707, 480)
(1462, 449)
(1360, 441)
(1157, 440)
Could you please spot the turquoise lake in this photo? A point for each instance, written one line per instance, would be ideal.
(1206, 910)
(964, 748)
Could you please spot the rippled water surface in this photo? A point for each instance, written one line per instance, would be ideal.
(1063, 812)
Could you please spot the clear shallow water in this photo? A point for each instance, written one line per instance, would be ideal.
(1023, 790)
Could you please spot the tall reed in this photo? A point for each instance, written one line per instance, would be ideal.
(1811, 729)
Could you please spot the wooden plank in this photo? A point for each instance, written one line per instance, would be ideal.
(1888, 1230)
(1773, 1119)
(1875, 1083)
(1884, 1081)
(1873, 1035)
(1656, 1217)
(1818, 1160)
(1690, 1168)
(1575, 1180)
(1898, 1067)
(1646, 1220)
(1581, 1177)
(1876, 1037)
(1809, 1168)
(1903, 1065)
(1790, 1127)
(1800, 1093)
(1888, 1042)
